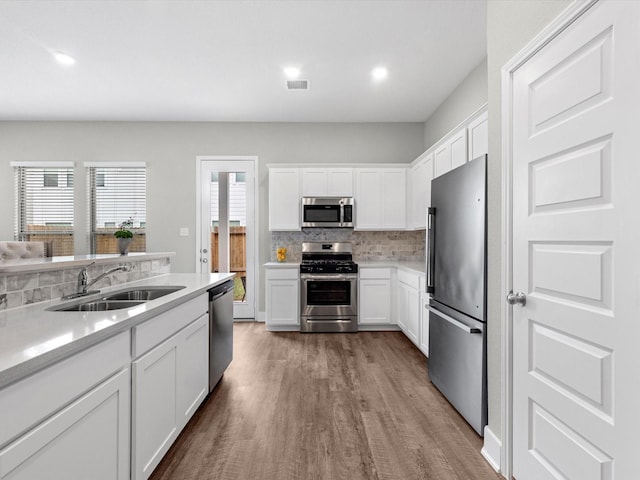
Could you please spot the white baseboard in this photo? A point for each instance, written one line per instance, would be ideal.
(491, 449)
(261, 316)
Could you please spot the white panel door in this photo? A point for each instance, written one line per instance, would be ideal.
(576, 386)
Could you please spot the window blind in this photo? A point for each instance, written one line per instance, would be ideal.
(116, 194)
(44, 206)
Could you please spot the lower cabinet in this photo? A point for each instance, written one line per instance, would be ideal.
(282, 297)
(85, 438)
(374, 296)
(169, 383)
(409, 305)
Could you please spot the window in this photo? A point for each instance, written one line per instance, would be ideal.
(44, 205)
(117, 192)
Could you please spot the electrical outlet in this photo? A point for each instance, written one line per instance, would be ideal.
(184, 232)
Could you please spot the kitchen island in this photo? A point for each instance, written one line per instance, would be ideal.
(102, 394)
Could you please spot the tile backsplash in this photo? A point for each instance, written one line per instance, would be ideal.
(367, 246)
(19, 289)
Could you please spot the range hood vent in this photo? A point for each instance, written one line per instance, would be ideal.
(297, 84)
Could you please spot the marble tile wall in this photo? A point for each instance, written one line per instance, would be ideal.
(19, 289)
(367, 246)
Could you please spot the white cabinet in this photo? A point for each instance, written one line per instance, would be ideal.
(381, 198)
(284, 199)
(169, 382)
(327, 182)
(478, 134)
(409, 304)
(75, 415)
(374, 296)
(451, 153)
(282, 297)
(421, 174)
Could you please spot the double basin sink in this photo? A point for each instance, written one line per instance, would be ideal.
(127, 298)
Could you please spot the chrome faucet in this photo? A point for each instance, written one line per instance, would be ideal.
(84, 284)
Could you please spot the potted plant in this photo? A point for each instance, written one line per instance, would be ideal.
(124, 236)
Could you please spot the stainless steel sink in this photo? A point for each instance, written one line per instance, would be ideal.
(126, 298)
(98, 306)
(143, 293)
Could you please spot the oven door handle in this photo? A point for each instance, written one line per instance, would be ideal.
(305, 276)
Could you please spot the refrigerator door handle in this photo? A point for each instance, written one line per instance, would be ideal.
(453, 321)
(431, 257)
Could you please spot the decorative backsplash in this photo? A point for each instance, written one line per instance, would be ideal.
(367, 246)
(19, 289)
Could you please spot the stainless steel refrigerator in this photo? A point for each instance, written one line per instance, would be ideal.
(456, 280)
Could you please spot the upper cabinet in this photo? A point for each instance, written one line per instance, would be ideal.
(478, 133)
(451, 153)
(327, 182)
(386, 197)
(380, 198)
(284, 199)
(420, 176)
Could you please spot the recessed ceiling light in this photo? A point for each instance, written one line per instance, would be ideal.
(379, 73)
(292, 72)
(64, 58)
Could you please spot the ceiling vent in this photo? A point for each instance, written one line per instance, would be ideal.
(297, 84)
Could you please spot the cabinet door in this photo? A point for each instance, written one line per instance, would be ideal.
(192, 368)
(154, 420)
(478, 133)
(442, 160)
(458, 148)
(284, 199)
(282, 297)
(421, 176)
(374, 301)
(413, 315)
(403, 306)
(340, 182)
(368, 198)
(89, 439)
(314, 182)
(394, 198)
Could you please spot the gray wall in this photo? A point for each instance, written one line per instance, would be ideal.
(510, 26)
(468, 97)
(170, 150)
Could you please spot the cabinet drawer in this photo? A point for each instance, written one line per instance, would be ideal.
(411, 279)
(282, 273)
(28, 402)
(375, 273)
(152, 332)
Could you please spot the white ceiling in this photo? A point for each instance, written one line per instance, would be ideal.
(220, 60)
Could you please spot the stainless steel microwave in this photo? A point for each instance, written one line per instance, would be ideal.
(327, 212)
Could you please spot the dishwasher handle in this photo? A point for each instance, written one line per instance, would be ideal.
(220, 290)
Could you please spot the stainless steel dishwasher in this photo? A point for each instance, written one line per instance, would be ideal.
(220, 331)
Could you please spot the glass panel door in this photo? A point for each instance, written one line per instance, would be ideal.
(227, 227)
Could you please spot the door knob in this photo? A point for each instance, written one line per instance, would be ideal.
(205, 260)
(517, 298)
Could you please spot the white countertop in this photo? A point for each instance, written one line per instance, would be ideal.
(40, 264)
(418, 267)
(33, 337)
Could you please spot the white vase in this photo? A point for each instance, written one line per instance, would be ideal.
(123, 245)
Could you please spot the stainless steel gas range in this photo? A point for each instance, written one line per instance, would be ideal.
(328, 288)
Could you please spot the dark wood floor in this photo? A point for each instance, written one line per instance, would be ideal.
(325, 406)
